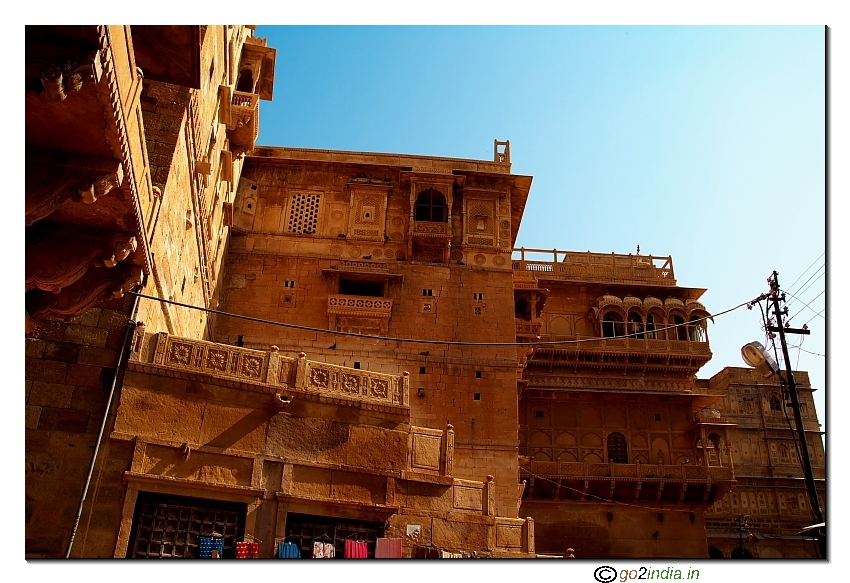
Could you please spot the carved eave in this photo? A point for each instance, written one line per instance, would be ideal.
(77, 298)
(59, 254)
(169, 53)
(255, 50)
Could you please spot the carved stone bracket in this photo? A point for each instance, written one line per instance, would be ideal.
(53, 177)
(61, 76)
(80, 296)
(63, 255)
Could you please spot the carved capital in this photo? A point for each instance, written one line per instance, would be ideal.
(54, 177)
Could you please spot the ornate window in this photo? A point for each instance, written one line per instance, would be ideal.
(612, 325)
(775, 403)
(695, 330)
(304, 214)
(618, 452)
(635, 328)
(650, 327)
(679, 332)
(431, 207)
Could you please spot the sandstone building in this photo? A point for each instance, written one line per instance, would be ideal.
(333, 345)
(770, 492)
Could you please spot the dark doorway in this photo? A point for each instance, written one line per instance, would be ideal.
(166, 526)
(305, 529)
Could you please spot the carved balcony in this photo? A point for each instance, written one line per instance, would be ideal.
(637, 482)
(244, 120)
(283, 378)
(527, 330)
(360, 306)
(429, 229)
(593, 267)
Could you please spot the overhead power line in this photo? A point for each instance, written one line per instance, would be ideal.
(425, 341)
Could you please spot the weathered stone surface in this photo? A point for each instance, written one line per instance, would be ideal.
(159, 416)
(311, 439)
(371, 447)
(459, 535)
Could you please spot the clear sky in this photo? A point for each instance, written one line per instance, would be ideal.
(701, 142)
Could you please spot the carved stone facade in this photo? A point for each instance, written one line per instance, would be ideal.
(770, 492)
(342, 338)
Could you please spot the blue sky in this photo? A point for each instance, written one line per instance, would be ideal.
(701, 142)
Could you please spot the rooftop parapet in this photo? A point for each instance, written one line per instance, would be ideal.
(552, 264)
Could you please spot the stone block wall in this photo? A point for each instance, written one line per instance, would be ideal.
(69, 370)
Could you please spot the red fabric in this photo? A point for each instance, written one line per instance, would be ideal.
(388, 548)
(253, 550)
(355, 550)
(241, 550)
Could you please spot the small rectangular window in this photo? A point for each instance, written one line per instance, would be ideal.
(427, 292)
(658, 416)
(478, 296)
(356, 364)
(479, 310)
(421, 370)
(538, 414)
(289, 283)
(477, 396)
(478, 374)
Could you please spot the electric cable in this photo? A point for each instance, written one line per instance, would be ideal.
(806, 270)
(806, 305)
(424, 341)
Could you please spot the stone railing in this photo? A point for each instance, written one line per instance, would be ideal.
(644, 345)
(428, 228)
(578, 266)
(528, 329)
(365, 306)
(269, 371)
(432, 450)
(661, 473)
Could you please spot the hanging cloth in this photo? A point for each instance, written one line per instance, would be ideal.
(355, 550)
(330, 552)
(205, 547)
(448, 555)
(318, 550)
(254, 550)
(242, 550)
(288, 551)
(388, 548)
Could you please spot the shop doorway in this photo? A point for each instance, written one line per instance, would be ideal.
(305, 529)
(166, 526)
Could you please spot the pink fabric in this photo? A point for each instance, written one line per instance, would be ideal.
(355, 550)
(388, 548)
(329, 551)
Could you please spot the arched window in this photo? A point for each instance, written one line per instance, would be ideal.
(246, 81)
(775, 404)
(650, 327)
(635, 325)
(695, 330)
(679, 332)
(612, 325)
(714, 553)
(618, 452)
(431, 207)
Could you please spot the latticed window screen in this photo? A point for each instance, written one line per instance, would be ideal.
(171, 526)
(617, 450)
(304, 214)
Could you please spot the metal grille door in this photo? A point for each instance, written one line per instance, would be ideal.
(167, 526)
(304, 529)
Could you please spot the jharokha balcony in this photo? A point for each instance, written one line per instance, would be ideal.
(627, 482)
(245, 119)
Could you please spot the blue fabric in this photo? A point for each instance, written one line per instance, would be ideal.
(288, 551)
(207, 544)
